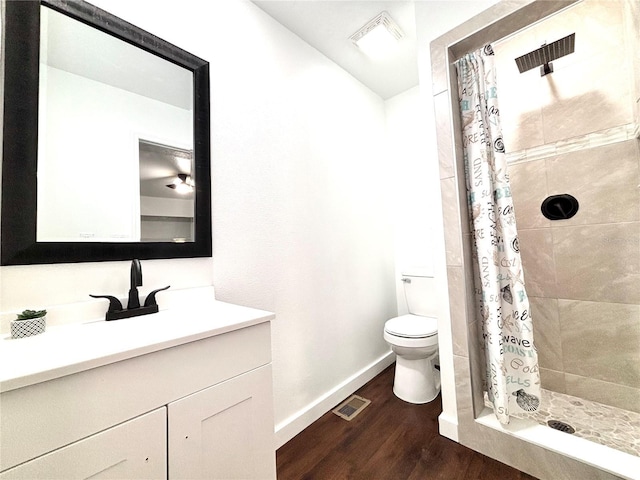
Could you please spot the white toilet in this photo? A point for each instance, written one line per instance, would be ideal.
(414, 339)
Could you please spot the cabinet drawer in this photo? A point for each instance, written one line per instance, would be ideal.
(137, 449)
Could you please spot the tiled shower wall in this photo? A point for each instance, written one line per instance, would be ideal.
(574, 131)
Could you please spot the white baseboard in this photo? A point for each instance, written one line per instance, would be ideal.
(448, 427)
(304, 417)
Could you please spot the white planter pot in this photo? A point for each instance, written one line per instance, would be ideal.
(28, 328)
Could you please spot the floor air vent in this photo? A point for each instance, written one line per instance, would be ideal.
(351, 407)
(563, 427)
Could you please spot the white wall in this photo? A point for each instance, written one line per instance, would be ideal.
(414, 214)
(301, 223)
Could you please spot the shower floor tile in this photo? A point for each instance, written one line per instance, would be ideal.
(610, 426)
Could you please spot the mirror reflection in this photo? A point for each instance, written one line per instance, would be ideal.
(167, 184)
(115, 127)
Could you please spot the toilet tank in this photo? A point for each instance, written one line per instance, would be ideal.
(420, 293)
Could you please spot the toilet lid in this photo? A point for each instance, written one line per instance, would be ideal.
(412, 326)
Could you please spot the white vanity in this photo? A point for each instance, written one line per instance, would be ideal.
(185, 393)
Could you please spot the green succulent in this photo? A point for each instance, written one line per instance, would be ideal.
(30, 314)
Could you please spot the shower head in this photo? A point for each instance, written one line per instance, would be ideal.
(545, 54)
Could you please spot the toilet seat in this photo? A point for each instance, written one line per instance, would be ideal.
(412, 326)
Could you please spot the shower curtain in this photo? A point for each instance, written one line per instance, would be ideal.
(511, 375)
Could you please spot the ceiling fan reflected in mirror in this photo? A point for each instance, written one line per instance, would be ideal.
(183, 183)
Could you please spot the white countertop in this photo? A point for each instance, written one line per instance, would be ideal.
(67, 349)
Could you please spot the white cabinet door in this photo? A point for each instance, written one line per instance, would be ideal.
(225, 431)
(136, 449)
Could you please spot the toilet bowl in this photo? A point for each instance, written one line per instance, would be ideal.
(414, 339)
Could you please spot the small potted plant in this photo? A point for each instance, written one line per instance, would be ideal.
(29, 323)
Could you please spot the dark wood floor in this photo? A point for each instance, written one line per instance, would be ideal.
(389, 439)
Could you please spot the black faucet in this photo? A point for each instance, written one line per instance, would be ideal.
(136, 281)
(115, 310)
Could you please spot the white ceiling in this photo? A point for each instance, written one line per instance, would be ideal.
(80, 49)
(327, 25)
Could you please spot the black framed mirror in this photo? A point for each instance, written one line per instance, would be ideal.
(57, 171)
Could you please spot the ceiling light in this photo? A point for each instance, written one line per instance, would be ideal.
(182, 184)
(379, 37)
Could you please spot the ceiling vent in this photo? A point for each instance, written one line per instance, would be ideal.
(379, 36)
